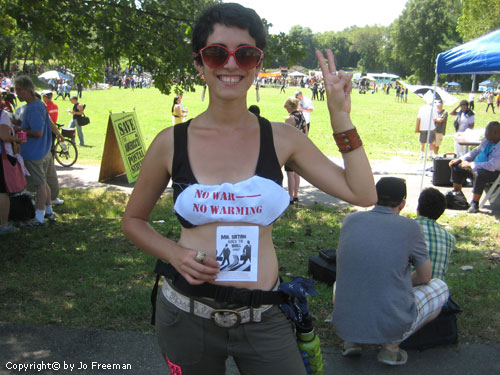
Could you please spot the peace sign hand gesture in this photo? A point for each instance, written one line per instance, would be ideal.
(338, 87)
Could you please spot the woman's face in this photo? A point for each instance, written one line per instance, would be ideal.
(229, 81)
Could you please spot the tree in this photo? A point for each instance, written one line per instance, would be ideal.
(424, 29)
(368, 43)
(7, 41)
(86, 35)
(387, 57)
(304, 37)
(282, 50)
(340, 45)
(478, 17)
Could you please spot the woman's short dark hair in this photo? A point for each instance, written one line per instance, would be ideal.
(431, 203)
(227, 14)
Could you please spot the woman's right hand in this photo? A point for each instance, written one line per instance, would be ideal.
(338, 84)
(194, 272)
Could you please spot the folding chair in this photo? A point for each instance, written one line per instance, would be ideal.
(492, 193)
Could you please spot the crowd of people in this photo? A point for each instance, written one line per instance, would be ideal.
(129, 78)
(37, 120)
(481, 165)
(225, 166)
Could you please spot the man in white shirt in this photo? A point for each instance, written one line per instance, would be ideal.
(306, 106)
(425, 123)
(472, 96)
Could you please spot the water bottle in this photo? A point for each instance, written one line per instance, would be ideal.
(310, 350)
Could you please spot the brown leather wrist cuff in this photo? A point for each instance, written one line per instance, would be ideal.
(348, 141)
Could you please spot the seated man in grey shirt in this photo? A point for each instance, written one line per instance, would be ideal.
(378, 299)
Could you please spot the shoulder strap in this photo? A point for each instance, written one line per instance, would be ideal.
(181, 168)
(268, 165)
(180, 147)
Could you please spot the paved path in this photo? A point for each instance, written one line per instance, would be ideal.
(84, 176)
(138, 354)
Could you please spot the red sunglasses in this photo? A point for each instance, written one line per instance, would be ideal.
(216, 56)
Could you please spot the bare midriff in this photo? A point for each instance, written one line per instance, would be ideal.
(203, 238)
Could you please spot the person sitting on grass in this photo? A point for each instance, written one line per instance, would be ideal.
(482, 164)
(440, 243)
(378, 299)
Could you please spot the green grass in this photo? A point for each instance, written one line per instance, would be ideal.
(82, 271)
(386, 127)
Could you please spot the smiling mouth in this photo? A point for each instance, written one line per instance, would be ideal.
(230, 79)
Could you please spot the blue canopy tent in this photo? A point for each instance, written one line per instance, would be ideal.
(479, 56)
(485, 85)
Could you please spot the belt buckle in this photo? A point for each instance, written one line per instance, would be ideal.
(225, 318)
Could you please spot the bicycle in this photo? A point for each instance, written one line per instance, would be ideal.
(66, 152)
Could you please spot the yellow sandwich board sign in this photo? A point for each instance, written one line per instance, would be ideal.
(123, 148)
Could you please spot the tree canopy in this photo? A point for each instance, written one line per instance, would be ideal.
(91, 34)
(478, 18)
(88, 36)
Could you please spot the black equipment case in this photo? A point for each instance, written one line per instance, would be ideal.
(21, 207)
(440, 331)
(323, 267)
(442, 170)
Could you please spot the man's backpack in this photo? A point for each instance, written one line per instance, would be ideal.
(456, 201)
(323, 267)
(440, 331)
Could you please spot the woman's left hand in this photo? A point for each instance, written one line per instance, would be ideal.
(338, 84)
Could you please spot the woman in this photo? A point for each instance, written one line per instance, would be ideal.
(225, 166)
(465, 120)
(176, 111)
(296, 119)
(6, 140)
(4, 104)
(77, 113)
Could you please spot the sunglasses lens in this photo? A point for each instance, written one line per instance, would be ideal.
(214, 56)
(248, 57)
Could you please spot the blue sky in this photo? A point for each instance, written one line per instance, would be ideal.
(325, 15)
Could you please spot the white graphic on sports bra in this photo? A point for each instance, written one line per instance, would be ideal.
(256, 200)
(237, 253)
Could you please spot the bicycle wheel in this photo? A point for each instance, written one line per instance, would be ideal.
(66, 158)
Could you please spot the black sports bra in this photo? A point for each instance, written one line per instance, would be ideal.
(258, 200)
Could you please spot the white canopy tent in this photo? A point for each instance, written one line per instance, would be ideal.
(297, 74)
(422, 91)
(54, 74)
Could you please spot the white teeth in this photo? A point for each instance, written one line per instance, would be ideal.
(228, 79)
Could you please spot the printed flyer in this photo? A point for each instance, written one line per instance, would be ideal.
(238, 253)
